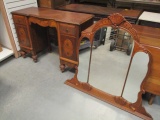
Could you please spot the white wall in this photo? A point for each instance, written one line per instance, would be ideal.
(12, 5)
(4, 38)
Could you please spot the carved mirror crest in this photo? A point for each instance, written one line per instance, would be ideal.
(113, 71)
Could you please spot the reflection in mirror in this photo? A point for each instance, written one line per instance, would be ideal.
(84, 54)
(137, 73)
(109, 62)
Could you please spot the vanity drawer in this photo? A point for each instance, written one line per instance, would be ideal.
(19, 19)
(23, 36)
(68, 47)
(67, 29)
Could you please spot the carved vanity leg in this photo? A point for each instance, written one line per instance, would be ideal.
(62, 67)
(34, 57)
(23, 54)
(151, 99)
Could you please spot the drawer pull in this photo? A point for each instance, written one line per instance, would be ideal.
(67, 29)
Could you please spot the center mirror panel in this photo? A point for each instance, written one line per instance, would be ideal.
(110, 61)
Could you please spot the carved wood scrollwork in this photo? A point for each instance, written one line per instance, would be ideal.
(42, 22)
(22, 34)
(115, 21)
(68, 48)
(120, 101)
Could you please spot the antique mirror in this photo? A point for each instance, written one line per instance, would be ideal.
(113, 70)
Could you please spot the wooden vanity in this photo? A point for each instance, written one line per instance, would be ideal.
(31, 26)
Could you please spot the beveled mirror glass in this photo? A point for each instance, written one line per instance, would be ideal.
(109, 62)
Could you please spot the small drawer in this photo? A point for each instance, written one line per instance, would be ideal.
(67, 29)
(19, 19)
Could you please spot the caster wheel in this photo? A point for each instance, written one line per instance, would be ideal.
(129, 50)
(112, 45)
(62, 68)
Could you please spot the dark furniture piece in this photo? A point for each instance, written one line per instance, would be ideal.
(102, 12)
(97, 2)
(31, 25)
(149, 5)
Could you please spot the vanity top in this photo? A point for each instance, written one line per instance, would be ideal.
(57, 15)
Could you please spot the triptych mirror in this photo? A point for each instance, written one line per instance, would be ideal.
(113, 68)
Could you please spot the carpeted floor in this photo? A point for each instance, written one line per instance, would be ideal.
(36, 91)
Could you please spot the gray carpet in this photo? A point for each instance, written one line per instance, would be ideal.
(36, 91)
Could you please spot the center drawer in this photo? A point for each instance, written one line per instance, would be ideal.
(67, 29)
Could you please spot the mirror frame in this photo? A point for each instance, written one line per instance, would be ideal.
(115, 21)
